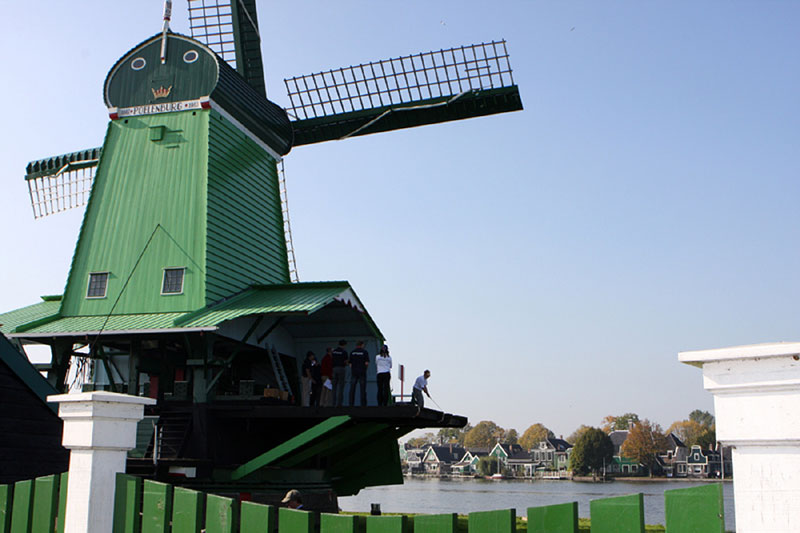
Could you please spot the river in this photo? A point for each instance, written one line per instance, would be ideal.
(433, 495)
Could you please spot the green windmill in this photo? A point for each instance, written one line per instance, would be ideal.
(183, 285)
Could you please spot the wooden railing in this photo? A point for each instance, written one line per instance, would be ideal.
(143, 506)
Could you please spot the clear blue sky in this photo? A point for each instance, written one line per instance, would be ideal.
(546, 265)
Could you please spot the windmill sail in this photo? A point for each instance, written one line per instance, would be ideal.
(403, 92)
(230, 28)
(61, 182)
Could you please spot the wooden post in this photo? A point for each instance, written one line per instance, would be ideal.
(99, 429)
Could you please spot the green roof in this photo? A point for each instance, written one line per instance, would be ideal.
(109, 324)
(45, 309)
(277, 300)
(295, 298)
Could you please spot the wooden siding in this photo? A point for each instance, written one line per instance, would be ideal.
(245, 242)
(148, 199)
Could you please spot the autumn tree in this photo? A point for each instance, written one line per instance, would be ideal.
(534, 435)
(419, 442)
(702, 417)
(592, 450)
(573, 438)
(511, 436)
(645, 441)
(688, 431)
(698, 429)
(487, 465)
(452, 435)
(622, 422)
(484, 435)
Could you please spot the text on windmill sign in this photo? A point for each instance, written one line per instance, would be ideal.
(153, 109)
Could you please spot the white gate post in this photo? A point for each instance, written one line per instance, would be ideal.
(756, 392)
(99, 429)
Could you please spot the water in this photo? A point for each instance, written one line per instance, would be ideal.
(463, 496)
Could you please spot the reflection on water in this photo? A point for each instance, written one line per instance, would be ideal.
(468, 495)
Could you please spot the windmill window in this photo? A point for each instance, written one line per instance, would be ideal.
(138, 63)
(190, 56)
(98, 282)
(173, 281)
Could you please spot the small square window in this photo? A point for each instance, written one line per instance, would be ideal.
(98, 282)
(173, 281)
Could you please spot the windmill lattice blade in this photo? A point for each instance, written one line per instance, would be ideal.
(402, 80)
(230, 28)
(211, 23)
(62, 182)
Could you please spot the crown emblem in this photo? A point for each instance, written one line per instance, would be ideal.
(161, 92)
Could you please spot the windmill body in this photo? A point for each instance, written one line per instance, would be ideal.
(180, 287)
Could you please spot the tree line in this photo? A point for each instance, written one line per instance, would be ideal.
(592, 446)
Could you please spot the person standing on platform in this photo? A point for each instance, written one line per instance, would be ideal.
(326, 370)
(420, 386)
(316, 381)
(306, 379)
(383, 367)
(339, 356)
(359, 361)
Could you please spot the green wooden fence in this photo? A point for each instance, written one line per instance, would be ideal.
(38, 506)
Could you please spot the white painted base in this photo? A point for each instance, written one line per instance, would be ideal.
(757, 406)
(766, 488)
(99, 429)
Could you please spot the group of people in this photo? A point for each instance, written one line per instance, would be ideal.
(323, 381)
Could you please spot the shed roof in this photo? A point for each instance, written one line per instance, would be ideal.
(47, 308)
(42, 319)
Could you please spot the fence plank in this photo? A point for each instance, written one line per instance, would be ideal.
(156, 507)
(257, 518)
(45, 504)
(63, 481)
(5, 508)
(127, 501)
(338, 523)
(295, 521)
(220, 514)
(386, 524)
(695, 509)
(561, 518)
(435, 523)
(502, 521)
(21, 507)
(187, 510)
(621, 514)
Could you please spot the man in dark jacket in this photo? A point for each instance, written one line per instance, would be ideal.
(339, 355)
(359, 361)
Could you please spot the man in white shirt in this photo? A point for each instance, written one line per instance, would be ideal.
(420, 386)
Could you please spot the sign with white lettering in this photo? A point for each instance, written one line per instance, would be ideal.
(153, 109)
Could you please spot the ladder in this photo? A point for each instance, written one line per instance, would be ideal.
(280, 374)
(287, 225)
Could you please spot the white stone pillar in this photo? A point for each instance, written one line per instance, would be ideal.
(99, 429)
(756, 392)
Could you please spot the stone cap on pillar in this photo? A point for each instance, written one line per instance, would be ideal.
(100, 419)
(756, 392)
(748, 351)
